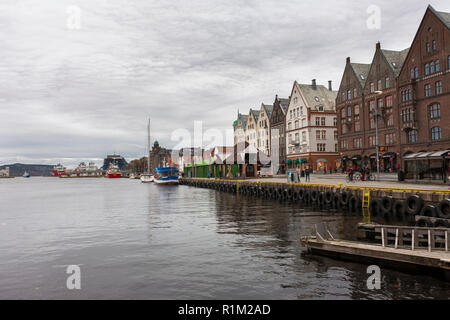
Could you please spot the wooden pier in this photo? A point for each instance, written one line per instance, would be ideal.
(400, 246)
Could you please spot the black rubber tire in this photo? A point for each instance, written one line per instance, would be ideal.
(301, 195)
(295, 196)
(337, 201)
(314, 196)
(329, 197)
(441, 223)
(345, 197)
(355, 204)
(387, 204)
(321, 199)
(307, 198)
(414, 205)
(424, 222)
(443, 209)
(375, 205)
(429, 211)
(398, 210)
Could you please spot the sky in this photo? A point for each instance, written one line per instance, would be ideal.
(80, 78)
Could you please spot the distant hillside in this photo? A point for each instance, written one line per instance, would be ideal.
(17, 169)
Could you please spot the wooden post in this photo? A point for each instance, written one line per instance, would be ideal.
(396, 238)
(429, 240)
(382, 238)
(446, 241)
(412, 239)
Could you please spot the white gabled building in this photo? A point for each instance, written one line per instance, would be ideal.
(263, 129)
(251, 128)
(239, 127)
(311, 134)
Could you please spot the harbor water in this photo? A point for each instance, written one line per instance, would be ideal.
(142, 241)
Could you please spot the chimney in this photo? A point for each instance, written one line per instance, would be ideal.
(330, 87)
(378, 45)
(348, 60)
(314, 86)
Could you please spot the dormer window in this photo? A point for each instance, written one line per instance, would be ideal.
(320, 108)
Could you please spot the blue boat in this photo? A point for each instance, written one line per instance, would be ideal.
(166, 176)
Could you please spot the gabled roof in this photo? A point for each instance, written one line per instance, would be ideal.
(255, 114)
(361, 71)
(268, 108)
(443, 16)
(243, 118)
(395, 59)
(284, 104)
(311, 93)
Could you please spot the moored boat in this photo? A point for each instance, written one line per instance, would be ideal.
(113, 171)
(146, 178)
(26, 175)
(166, 176)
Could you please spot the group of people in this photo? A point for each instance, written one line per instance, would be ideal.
(365, 172)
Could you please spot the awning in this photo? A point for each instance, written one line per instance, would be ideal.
(439, 154)
(357, 157)
(389, 155)
(426, 155)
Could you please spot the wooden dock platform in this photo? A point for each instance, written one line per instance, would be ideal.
(435, 255)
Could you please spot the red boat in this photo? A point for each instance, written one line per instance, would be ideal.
(113, 171)
(59, 170)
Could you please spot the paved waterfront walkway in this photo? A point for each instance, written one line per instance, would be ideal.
(386, 180)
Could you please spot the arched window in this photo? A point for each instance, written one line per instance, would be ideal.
(436, 133)
(412, 136)
(417, 72)
(432, 67)
(427, 69)
(438, 66)
(412, 73)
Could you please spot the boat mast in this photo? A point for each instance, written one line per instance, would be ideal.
(148, 146)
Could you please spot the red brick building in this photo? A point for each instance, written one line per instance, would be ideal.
(402, 93)
(423, 90)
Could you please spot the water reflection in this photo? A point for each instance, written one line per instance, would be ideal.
(141, 241)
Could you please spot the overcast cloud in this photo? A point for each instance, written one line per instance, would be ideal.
(68, 95)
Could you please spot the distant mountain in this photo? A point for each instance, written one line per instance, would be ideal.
(17, 169)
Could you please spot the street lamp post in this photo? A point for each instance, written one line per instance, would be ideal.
(377, 145)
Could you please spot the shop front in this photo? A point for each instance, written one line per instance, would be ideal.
(428, 166)
(389, 162)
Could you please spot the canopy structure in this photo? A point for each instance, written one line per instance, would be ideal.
(297, 161)
(289, 161)
(435, 155)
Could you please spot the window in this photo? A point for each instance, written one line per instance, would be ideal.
(412, 73)
(434, 45)
(380, 104)
(335, 135)
(301, 111)
(335, 122)
(357, 143)
(432, 67)
(317, 134)
(390, 138)
(407, 115)
(428, 47)
(427, 90)
(390, 120)
(438, 87)
(349, 112)
(317, 121)
(372, 123)
(372, 106)
(387, 83)
(372, 141)
(324, 135)
(349, 95)
(417, 72)
(412, 136)
(389, 101)
(427, 69)
(323, 121)
(289, 125)
(379, 85)
(372, 87)
(438, 66)
(436, 133)
(355, 93)
(435, 111)
(321, 147)
(303, 136)
(357, 125)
